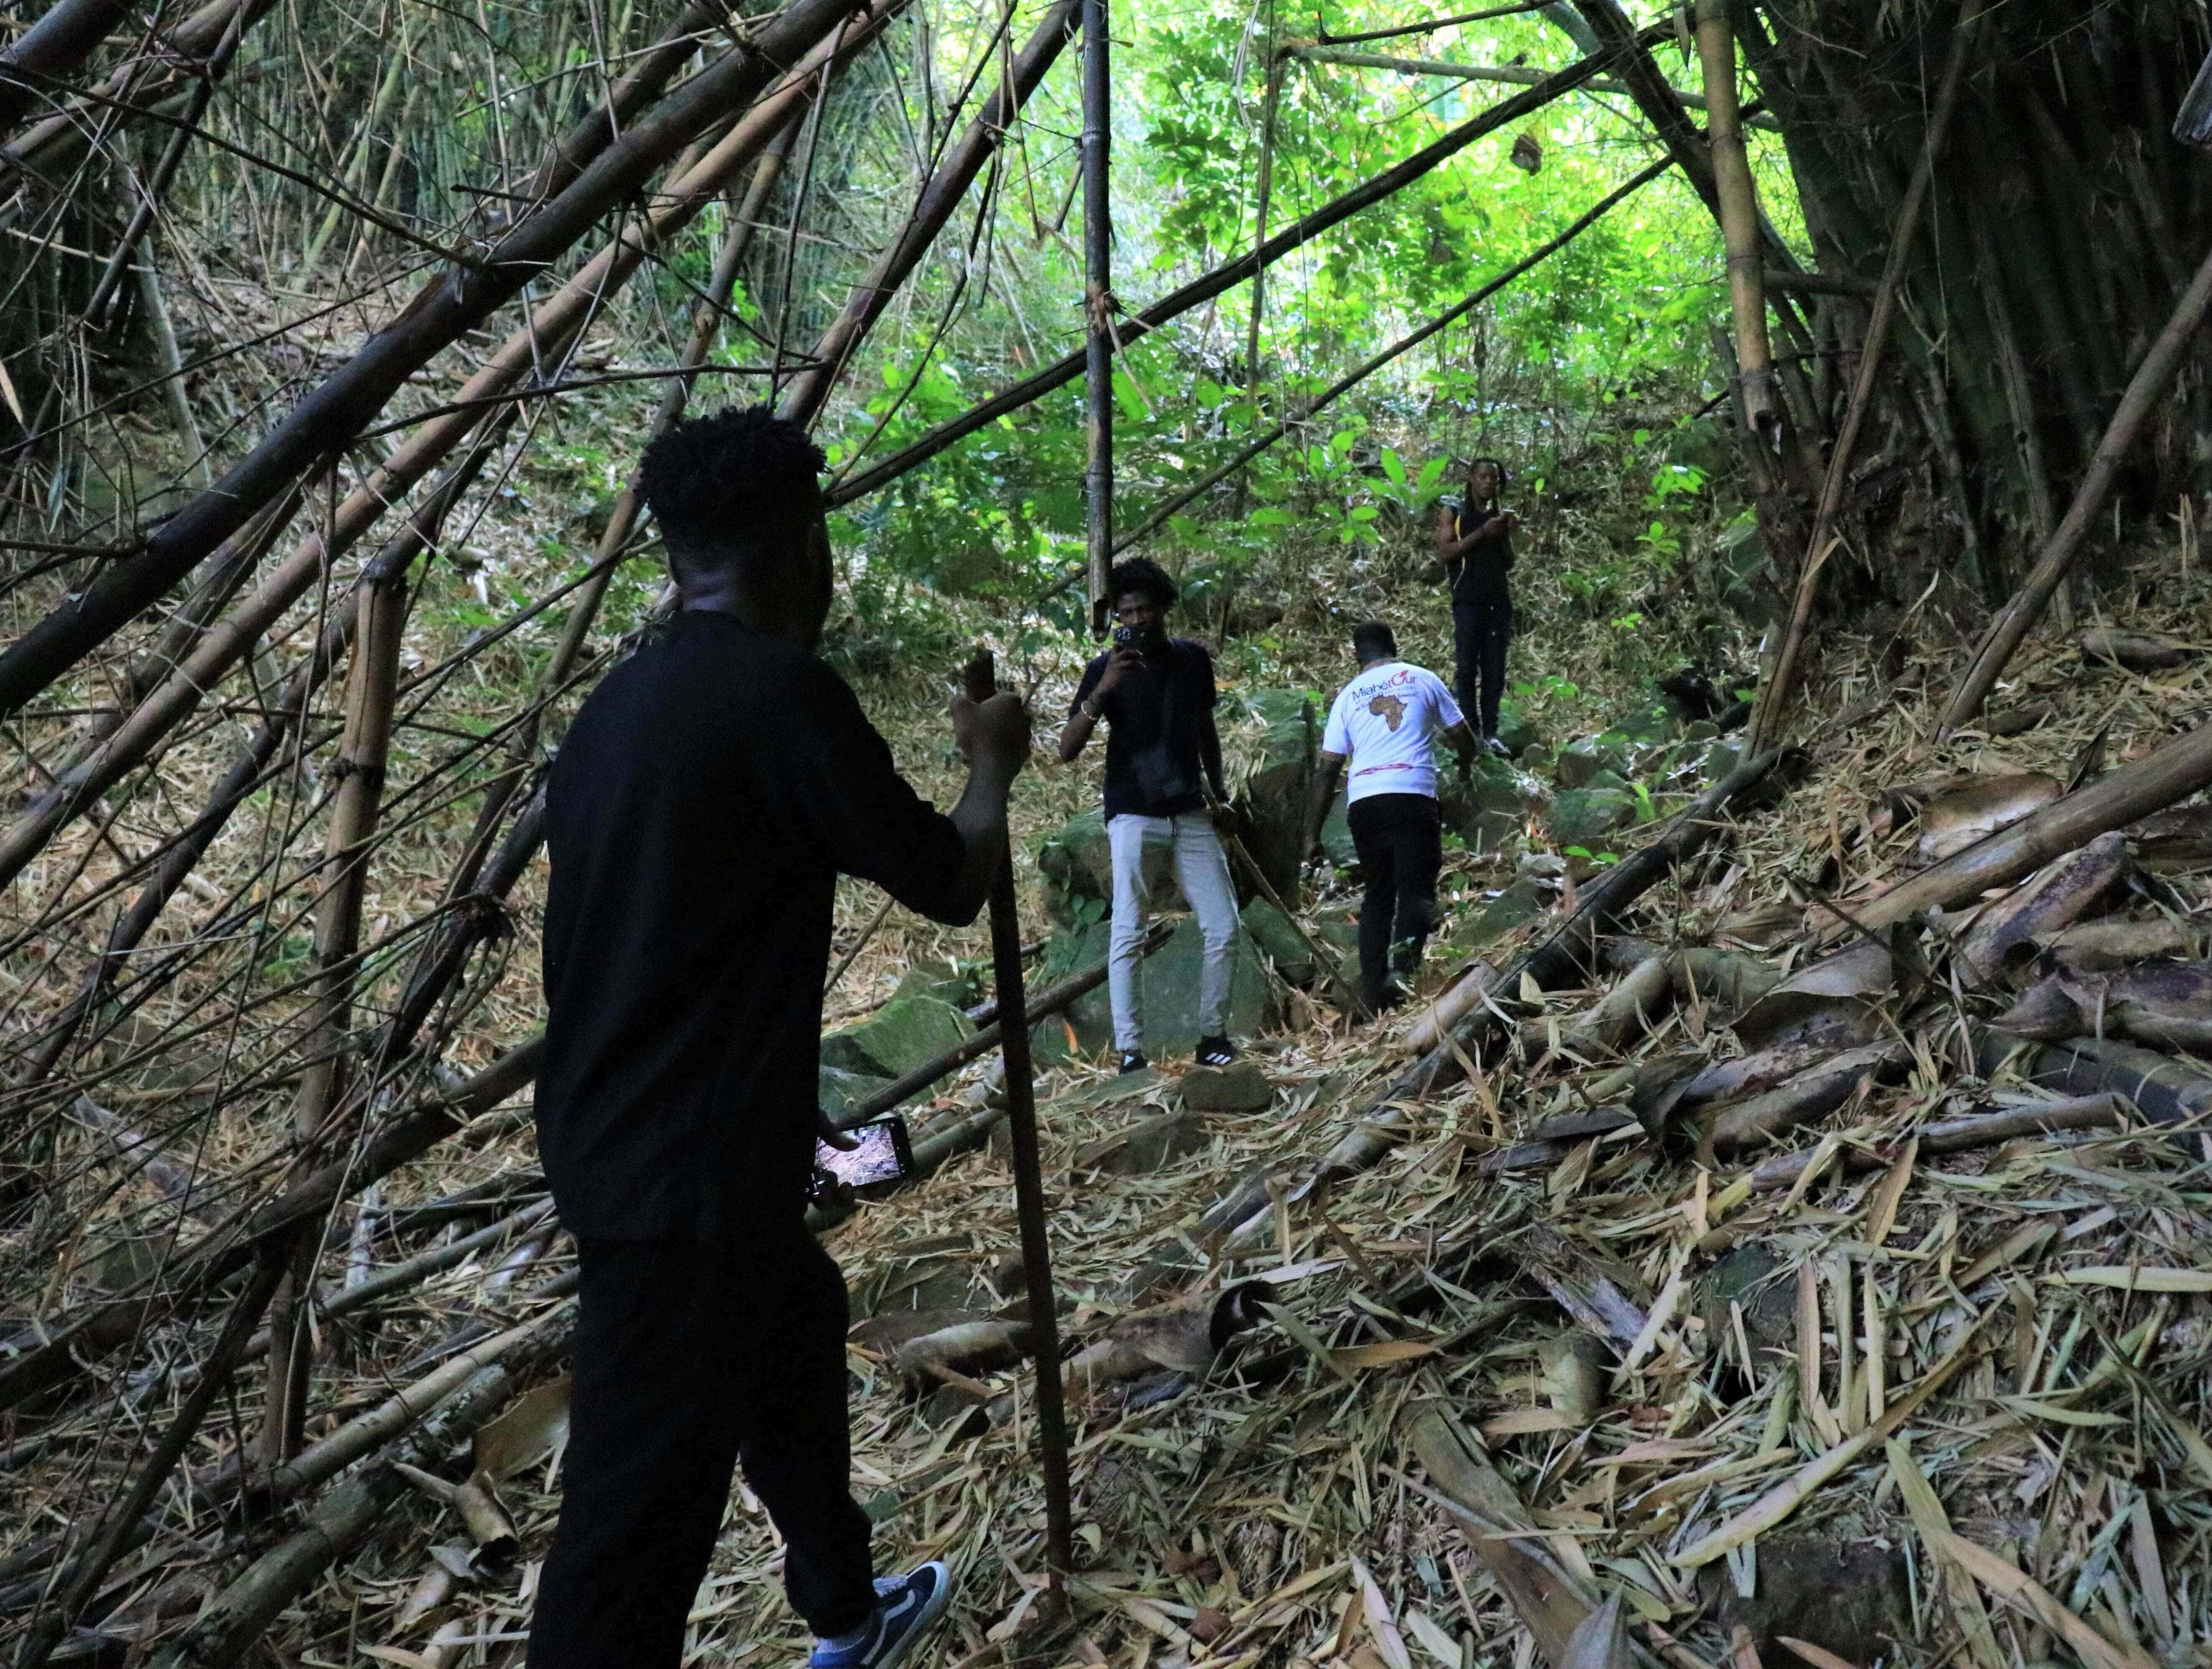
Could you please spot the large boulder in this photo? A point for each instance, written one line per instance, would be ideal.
(1168, 985)
(1272, 931)
(1647, 721)
(1076, 863)
(947, 982)
(839, 1092)
(1584, 757)
(905, 1032)
(1271, 804)
(1493, 804)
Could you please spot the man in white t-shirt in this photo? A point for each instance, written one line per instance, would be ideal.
(1386, 722)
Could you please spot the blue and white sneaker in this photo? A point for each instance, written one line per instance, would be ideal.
(905, 1607)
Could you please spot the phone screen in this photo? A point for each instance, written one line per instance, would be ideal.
(881, 1156)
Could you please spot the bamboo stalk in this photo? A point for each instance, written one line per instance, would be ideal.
(1510, 74)
(227, 1630)
(109, 1540)
(69, 32)
(1775, 693)
(1029, 1176)
(1098, 307)
(1740, 225)
(49, 1356)
(362, 756)
(2173, 773)
(2144, 391)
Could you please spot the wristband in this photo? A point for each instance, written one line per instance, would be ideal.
(1093, 713)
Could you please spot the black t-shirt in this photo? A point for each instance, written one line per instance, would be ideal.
(1481, 574)
(1152, 742)
(699, 812)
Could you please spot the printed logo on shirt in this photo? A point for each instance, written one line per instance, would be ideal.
(1390, 709)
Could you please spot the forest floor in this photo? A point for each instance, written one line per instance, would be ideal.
(1896, 1402)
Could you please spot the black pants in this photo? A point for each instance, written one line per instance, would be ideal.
(1400, 840)
(688, 1359)
(1481, 627)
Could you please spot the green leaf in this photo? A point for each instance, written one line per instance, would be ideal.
(1392, 467)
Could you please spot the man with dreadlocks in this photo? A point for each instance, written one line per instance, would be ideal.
(1475, 544)
(702, 805)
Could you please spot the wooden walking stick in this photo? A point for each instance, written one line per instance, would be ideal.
(981, 681)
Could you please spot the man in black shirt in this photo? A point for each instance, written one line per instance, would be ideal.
(1156, 693)
(702, 807)
(1475, 542)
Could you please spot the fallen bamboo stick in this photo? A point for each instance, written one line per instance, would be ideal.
(1379, 1125)
(1962, 1135)
(2175, 771)
(69, 32)
(114, 1532)
(48, 1358)
(227, 1630)
(1512, 74)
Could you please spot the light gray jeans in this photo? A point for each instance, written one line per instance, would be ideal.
(1203, 871)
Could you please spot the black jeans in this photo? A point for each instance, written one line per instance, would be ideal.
(1481, 627)
(1400, 840)
(690, 1359)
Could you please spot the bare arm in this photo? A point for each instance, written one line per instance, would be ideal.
(1452, 551)
(1075, 734)
(1327, 766)
(995, 735)
(1464, 742)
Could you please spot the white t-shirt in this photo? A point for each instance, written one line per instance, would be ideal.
(1386, 721)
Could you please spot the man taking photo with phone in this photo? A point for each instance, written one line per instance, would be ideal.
(1156, 694)
(702, 807)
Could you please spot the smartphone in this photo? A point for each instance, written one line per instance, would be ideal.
(884, 1155)
(1124, 636)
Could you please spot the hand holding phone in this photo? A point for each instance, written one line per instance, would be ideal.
(880, 1153)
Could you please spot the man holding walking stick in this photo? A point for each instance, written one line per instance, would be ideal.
(702, 807)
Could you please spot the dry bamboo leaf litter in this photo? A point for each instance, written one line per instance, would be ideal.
(1986, 1303)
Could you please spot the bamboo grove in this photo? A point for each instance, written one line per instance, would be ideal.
(266, 826)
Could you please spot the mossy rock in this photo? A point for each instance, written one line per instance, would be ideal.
(1648, 721)
(1272, 931)
(947, 982)
(1076, 863)
(1518, 905)
(905, 1033)
(1493, 804)
(1584, 757)
(1168, 987)
(839, 1093)
(1585, 817)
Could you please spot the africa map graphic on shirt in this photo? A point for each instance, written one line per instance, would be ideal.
(1391, 708)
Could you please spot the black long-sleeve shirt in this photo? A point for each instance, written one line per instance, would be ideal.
(700, 810)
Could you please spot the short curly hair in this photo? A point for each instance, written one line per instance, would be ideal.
(743, 480)
(1141, 574)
